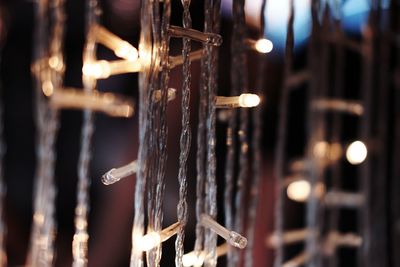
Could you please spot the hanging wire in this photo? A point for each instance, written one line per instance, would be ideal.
(212, 24)
(280, 152)
(3, 188)
(81, 236)
(43, 233)
(256, 151)
(184, 139)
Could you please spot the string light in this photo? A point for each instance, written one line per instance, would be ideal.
(103, 69)
(233, 238)
(120, 47)
(108, 103)
(204, 37)
(262, 45)
(344, 199)
(195, 258)
(299, 190)
(288, 237)
(338, 105)
(153, 239)
(356, 152)
(116, 174)
(244, 101)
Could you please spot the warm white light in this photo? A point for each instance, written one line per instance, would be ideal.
(47, 88)
(191, 259)
(100, 69)
(299, 190)
(149, 241)
(127, 51)
(264, 46)
(356, 152)
(249, 100)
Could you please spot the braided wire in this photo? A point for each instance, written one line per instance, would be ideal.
(184, 139)
(212, 25)
(41, 251)
(256, 152)
(3, 188)
(280, 152)
(81, 236)
(240, 81)
(145, 78)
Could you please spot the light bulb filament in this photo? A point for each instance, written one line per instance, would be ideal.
(233, 238)
(116, 174)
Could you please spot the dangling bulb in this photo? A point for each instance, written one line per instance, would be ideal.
(99, 69)
(249, 100)
(356, 152)
(299, 190)
(264, 46)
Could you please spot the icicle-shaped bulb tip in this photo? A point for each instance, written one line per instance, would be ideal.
(149, 241)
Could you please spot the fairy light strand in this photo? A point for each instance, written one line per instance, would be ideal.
(256, 152)
(184, 139)
(280, 150)
(211, 24)
(44, 225)
(145, 47)
(81, 236)
(240, 79)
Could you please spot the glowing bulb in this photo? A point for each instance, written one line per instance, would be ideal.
(193, 259)
(249, 100)
(47, 88)
(127, 51)
(264, 46)
(299, 190)
(152, 240)
(356, 152)
(149, 241)
(99, 69)
(243, 101)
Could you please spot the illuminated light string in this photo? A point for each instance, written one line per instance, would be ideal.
(263, 46)
(233, 238)
(153, 239)
(194, 258)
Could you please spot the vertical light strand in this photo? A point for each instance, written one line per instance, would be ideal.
(3, 188)
(367, 76)
(39, 195)
(339, 53)
(211, 24)
(185, 138)
(240, 80)
(314, 134)
(280, 150)
(153, 117)
(43, 232)
(202, 138)
(145, 79)
(81, 236)
(256, 151)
